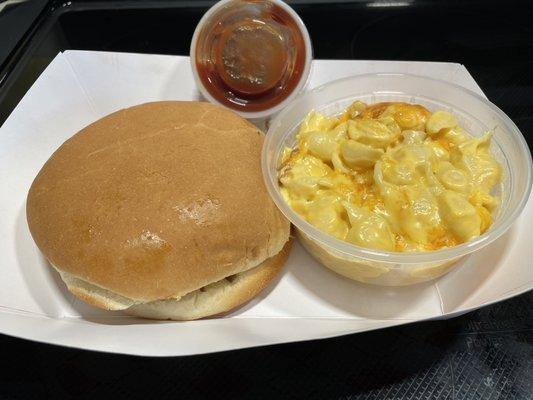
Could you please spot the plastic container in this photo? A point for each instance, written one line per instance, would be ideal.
(474, 113)
(286, 34)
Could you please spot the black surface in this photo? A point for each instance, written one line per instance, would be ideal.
(487, 354)
(16, 22)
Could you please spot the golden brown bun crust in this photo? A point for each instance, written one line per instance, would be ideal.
(219, 297)
(156, 201)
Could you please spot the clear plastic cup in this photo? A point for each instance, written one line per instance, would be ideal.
(283, 80)
(474, 113)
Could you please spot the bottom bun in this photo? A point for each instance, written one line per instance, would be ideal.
(218, 297)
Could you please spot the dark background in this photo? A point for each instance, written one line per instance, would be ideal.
(487, 354)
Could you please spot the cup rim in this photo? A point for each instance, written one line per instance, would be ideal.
(354, 250)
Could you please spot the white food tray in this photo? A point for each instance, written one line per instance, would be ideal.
(307, 302)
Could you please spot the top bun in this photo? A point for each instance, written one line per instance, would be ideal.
(156, 201)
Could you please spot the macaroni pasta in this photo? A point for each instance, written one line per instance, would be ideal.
(391, 176)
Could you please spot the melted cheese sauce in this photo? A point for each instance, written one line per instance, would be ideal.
(391, 176)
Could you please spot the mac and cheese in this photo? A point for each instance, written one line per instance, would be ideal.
(391, 176)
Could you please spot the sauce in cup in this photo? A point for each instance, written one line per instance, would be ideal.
(251, 55)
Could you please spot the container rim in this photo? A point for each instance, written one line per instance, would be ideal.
(353, 250)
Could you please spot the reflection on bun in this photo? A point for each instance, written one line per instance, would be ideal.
(160, 210)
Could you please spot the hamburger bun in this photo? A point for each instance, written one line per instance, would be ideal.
(160, 210)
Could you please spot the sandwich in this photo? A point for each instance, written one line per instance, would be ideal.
(160, 210)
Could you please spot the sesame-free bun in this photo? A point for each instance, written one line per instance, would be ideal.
(152, 203)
